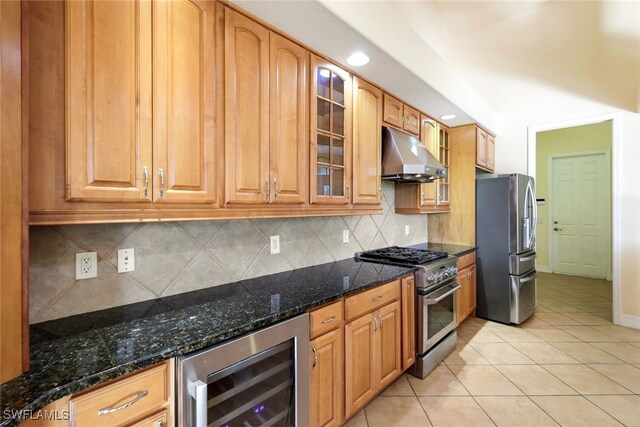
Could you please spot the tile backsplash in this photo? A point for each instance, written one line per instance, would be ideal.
(176, 257)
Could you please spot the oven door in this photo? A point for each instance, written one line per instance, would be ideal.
(436, 315)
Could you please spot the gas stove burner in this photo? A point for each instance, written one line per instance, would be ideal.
(406, 256)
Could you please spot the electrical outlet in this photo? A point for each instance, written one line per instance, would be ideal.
(345, 236)
(86, 265)
(126, 261)
(406, 230)
(275, 244)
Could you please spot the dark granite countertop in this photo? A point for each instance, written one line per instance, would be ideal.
(457, 250)
(74, 353)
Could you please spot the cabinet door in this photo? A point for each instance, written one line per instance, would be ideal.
(408, 322)
(367, 120)
(288, 120)
(184, 147)
(246, 69)
(471, 290)
(491, 152)
(387, 343)
(481, 147)
(393, 111)
(108, 100)
(330, 122)
(429, 136)
(359, 364)
(444, 156)
(411, 120)
(462, 299)
(327, 379)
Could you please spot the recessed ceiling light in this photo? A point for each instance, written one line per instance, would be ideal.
(448, 117)
(357, 59)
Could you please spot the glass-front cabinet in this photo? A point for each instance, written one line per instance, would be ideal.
(444, 156)
(331, 119)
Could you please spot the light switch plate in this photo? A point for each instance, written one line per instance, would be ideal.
(86, 265)
(275, 244)
(126, 260)
(345, 236)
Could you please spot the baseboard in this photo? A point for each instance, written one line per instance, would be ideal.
(629, 321)
(543, 268)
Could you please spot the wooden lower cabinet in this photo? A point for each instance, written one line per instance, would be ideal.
(372, 355)
(359, 363)
(466, 296)
(327, 379)
(408, 322)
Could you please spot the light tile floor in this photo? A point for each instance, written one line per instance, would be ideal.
(568, 365)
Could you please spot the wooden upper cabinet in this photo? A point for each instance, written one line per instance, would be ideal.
(184, 147)
(246, 68)
(444, 156)
(330, 123)
(411, 120)
(393, 111)
(481, 147)
(108, 101)
(289, 65)
(485, 150)
(429, 136)
(491, 153)
(367, 121)
(400, 115)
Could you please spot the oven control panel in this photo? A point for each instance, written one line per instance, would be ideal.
(441, 275)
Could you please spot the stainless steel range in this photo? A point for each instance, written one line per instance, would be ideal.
(435, 301)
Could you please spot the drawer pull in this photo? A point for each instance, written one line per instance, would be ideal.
(378, 298)
(329, 320)
(160, 423)
(110, 409)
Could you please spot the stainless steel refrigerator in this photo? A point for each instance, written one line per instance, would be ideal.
(506, 217)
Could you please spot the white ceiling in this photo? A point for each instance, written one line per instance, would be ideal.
(462, 18)
(313, 24)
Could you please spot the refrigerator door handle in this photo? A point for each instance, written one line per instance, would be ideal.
(530, 222)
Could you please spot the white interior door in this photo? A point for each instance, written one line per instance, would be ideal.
(581, 194)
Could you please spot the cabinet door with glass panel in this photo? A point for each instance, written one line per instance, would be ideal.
(331, 119)
(443, 155)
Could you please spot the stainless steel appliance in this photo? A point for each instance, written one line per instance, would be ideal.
(405, 159)
(261, 379)
(436, 287)
(506, 217)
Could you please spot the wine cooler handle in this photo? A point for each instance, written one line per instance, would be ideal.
(200, 395)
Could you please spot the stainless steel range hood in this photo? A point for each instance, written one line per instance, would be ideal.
(405, 159)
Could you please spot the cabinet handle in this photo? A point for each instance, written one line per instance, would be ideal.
(381, 321)
(160, 423)
(145, 171)
(329, 320)
(378, 298)
(111, 409)
(348, 192)
(315, 356)
(275, 185)
(375, 323)
(161, 173)
(267, 191)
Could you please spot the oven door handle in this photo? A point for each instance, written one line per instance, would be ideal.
(432, 301)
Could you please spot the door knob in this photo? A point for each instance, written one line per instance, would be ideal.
(557, 229)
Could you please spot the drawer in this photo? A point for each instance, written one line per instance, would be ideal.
(370, 300)
(325, 319)
(466, 260)
(122, 401)
(156, 420)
